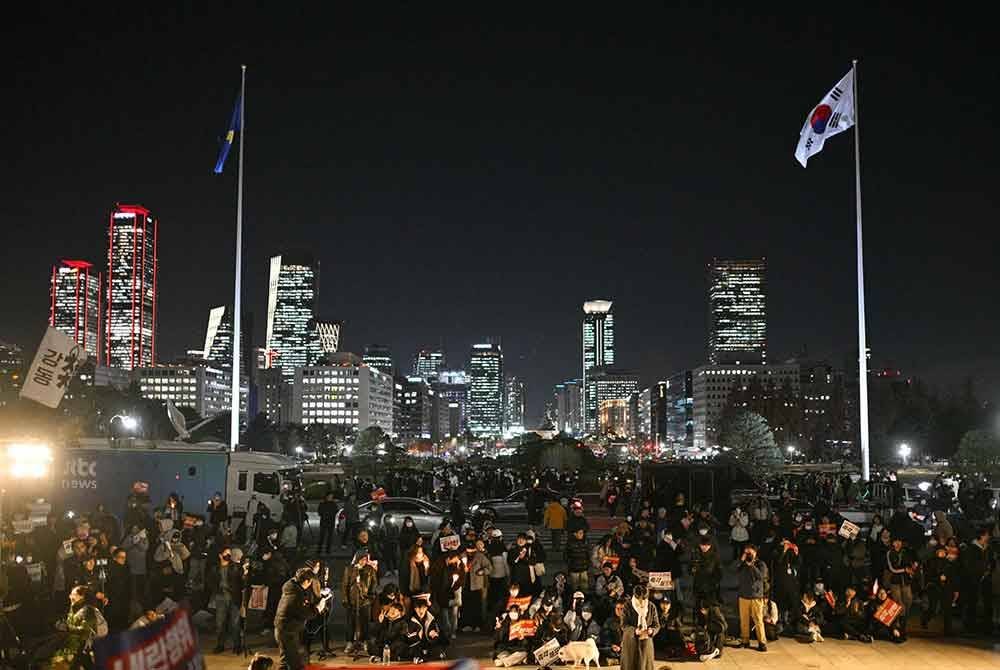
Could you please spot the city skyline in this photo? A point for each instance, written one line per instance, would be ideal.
(455, 151)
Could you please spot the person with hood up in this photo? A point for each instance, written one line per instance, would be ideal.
(640, 625)
(357, 593)
(509, 647)
(943, 529)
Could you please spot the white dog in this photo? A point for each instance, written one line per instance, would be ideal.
(580, 651)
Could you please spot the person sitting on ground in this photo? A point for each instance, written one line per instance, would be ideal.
(880, 631)
(583, 626)
(808, 622)
(669, 639)
(610, 644)
(710, 629)
(425, 639)
(390, 631)
(852, 616)
(509, 647)
(550, 626)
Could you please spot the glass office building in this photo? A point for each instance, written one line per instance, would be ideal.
(486, 390)
(130, 325)
(738, 312)
(75, 305)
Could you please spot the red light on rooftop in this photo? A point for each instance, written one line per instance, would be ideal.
(132, 209)
(79, 265)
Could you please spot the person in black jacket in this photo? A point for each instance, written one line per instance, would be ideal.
(425, 639)
(509, 648)
(327, 523)
(707, 571)
(973, 566)
(294, 609)
(577, 556)
(118, 590)
(521, 560)
(941, 577)
(224, 585)
(390, 631)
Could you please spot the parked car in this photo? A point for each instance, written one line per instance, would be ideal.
(513, 507)
(426, 516)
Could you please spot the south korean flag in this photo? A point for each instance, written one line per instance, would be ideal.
(834, 114)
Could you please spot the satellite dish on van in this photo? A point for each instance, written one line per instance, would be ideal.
(177, 420)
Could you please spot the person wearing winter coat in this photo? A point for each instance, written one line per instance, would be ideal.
(943, 531)
(577, 557)
(445, 580)
(555, 520)
(785, 577)
(640, 625)
(852, 616)
(136, 544)
(581, 624)
(610, 644)
(477, 571)
(521, 562)
(710, 629)
(509, 648)
(224, 584)
(425, 638)
(706, 570)
(739, 534)
(880, 631)
(550, 626)
(807, 621)
(390, 632)
(357, 594)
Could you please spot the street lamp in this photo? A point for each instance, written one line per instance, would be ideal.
(129, 423)
(904, 452)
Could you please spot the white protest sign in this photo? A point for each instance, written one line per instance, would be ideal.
(849, 530)
(57, 359)
(548, 653)
(450, 542)
(661, 581)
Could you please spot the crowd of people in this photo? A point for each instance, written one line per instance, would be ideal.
(799, 572)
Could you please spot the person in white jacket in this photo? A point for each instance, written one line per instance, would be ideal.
(739, 523)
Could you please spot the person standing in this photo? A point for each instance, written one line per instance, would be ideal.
(225, 587)
(577, 557)
(639, 625)
(739, 534)
(294, 609)
(899, 568)
(753, 577)
(358, 590)
(555, 520)
(973, 566)
(351, 518)
(477, 570)
(327, 523)
(119, 592)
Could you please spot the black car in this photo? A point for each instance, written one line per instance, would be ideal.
(512, 507)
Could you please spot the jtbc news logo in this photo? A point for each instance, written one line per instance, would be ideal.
(80, 473)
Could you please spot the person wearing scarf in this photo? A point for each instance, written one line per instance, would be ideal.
(639, 626)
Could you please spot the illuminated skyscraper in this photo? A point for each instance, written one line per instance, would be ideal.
(428, 363)
(379, 356)
(292, 337)
(329, 336)
(486, 390)
(514, 406)
(219, 337)
(598, 351)
(76, 304)
(130, 325)
(568, 404)
(737, 306)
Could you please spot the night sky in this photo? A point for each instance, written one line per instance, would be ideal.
(465, 175)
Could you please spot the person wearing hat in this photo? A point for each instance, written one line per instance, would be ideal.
(358, 591)
(509, 647)
(576, 518)
(579, 620)
(710, 628)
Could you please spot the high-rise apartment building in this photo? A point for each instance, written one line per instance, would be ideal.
(130, 324)
(75, 305)
(568, 403)
(486, 390)
(379, 356)
(737, 297)
(292, 337)
(598, 350)
(428, 363)
(515, 406)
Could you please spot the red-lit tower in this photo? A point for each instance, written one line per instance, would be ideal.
(75, 304)
(130, 325)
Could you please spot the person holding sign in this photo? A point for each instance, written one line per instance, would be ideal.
(884, 621)
(550, 627)
(510, 644)
(639, 625)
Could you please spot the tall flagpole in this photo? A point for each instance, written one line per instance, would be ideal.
(234, 420)
(862, 346)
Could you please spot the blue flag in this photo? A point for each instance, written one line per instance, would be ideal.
(227, 141)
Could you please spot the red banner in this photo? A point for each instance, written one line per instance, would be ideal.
(523, 629)
(888, 611)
